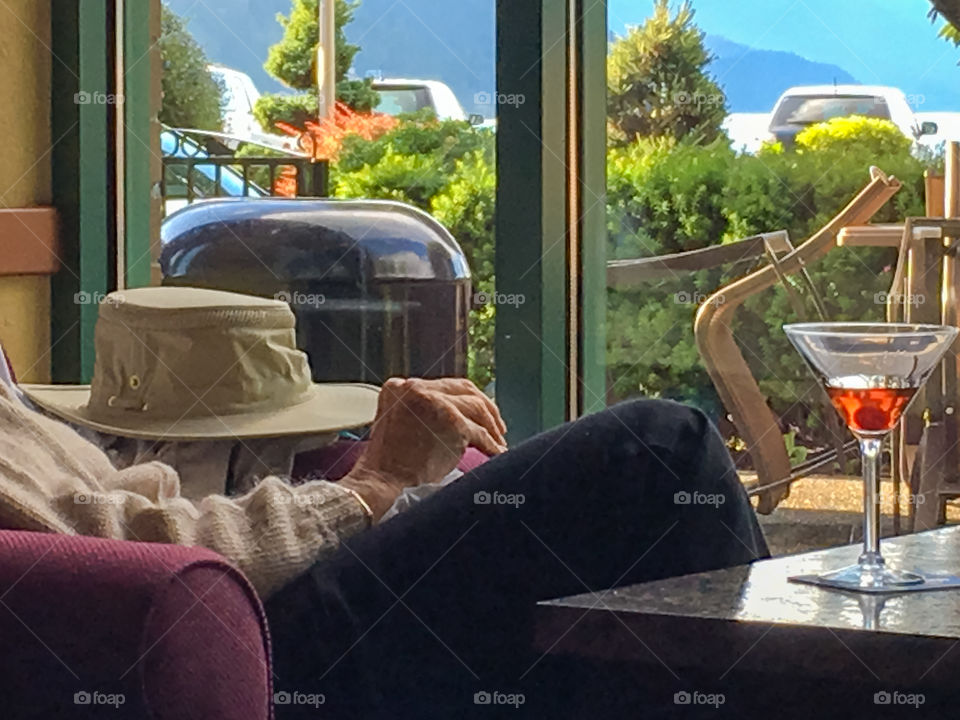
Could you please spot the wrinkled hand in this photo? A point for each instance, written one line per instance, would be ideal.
(420, 432)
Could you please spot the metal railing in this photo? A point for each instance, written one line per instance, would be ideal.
(203, 165)
(205, 177)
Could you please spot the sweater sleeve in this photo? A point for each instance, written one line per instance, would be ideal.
(53, 480)
(273, 533)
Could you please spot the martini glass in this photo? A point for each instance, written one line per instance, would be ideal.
(871, 373)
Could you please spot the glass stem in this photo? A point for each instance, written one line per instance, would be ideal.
(870, 460)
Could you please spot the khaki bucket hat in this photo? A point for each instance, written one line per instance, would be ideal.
(176, 363)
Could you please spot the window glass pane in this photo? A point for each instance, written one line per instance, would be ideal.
(397, 101)
(736, 133)
(400, 295)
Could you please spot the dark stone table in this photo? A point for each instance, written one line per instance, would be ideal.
(745, 630)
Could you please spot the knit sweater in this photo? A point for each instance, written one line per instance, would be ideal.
(52, 480)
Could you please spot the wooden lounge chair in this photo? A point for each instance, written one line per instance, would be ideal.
(738, 390)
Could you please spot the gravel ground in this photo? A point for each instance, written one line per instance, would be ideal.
(824, 511)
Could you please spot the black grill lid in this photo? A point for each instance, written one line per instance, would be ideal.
(309, 239)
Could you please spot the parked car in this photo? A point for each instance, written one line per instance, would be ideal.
(800, 107)
(401, 96)
(239, 97)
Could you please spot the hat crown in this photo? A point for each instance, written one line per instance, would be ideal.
(170, 353)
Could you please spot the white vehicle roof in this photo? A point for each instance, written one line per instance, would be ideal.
(400, 82)
(855, 90)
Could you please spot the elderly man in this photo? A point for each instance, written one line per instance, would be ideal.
(405, 618)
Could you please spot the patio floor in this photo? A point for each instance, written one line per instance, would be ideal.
(825, 510)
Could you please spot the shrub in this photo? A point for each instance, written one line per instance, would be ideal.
(411, 163)
(466, 208)
(413, 179)
(295, 110)
(663, 197)
(827, 168)
(420, 133)
(854, 133)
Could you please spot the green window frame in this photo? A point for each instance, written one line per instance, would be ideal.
(551, 211)
(101, 166)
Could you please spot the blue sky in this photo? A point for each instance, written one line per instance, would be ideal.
(882, 42)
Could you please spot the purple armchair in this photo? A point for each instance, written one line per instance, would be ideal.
(96, 628)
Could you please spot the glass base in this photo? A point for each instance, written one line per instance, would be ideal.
(876, 578)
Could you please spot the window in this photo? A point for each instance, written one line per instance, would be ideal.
(812, 109)
(401, 295)
(737, 133)
(399, 101)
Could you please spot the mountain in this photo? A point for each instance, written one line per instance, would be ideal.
(753, 79)
(455, 42)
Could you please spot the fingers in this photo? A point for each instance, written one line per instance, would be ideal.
(462, 386)
(480, 438)
(391, 394)
(478, 412)
(472, 413)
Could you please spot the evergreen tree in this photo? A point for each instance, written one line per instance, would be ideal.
(293, 61)
(192, 97)
(657, 81)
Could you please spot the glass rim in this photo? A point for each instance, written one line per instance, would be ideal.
(867, 329)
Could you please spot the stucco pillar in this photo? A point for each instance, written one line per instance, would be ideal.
(25, 77)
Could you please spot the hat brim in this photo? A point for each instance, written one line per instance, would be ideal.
(330, 407)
